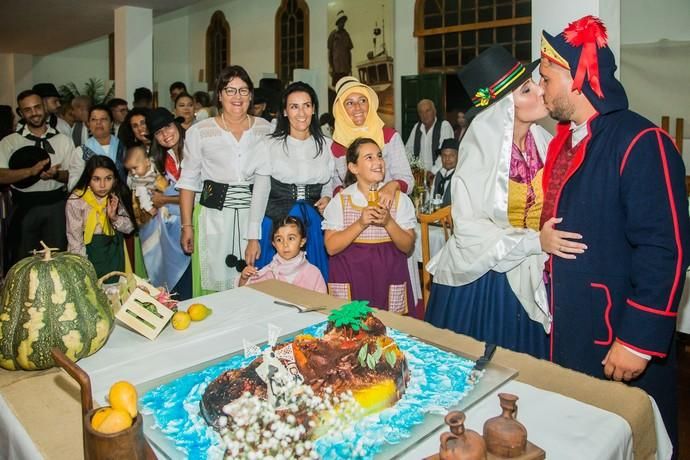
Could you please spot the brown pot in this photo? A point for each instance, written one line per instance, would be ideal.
(126, 444)
(461, 444)
(505, 436)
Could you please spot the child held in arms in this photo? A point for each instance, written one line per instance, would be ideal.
(369, 243)
(143, 179)
(98, 214)
(290, 263)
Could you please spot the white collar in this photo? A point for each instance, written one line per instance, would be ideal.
(579, 132)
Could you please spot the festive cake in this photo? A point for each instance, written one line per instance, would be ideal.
(355, 355)
(345, 388)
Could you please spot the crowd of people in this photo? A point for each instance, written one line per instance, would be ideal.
(569, 248)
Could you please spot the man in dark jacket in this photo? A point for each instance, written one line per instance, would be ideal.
(617, 180)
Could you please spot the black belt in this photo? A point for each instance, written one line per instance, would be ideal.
(283, 196)
(32, 199)
(216, 195)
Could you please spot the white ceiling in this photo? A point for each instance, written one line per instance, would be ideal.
(45, 26)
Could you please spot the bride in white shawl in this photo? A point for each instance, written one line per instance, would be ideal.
(488, 278)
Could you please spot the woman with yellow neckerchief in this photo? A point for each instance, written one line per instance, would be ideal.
(489, 277)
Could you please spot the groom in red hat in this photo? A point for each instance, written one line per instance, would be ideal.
(616, 180)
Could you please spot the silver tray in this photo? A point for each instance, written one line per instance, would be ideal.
(494, 376)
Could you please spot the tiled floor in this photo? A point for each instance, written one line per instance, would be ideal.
(684, 396)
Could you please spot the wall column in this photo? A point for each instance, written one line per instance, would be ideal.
(17, 76)
(133, 50)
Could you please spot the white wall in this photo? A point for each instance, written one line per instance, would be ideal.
(251, 36)
(647, 21)
(76, 64)
(405, 51)
(171, 53)
(252, 41)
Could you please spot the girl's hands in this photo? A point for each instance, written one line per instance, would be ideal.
(187, 239)
(111, 208)
(369, 216)
(375, 215)
(247, 273)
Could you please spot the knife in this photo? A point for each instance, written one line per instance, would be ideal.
(300, 308)
(478, 369)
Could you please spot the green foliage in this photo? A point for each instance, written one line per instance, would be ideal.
(391, 358)
(369, 360)
(351, 315)
(94, 88)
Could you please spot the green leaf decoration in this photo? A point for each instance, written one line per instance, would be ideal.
(377, 353)
(391, 358)
(362, 355)
(371, 362)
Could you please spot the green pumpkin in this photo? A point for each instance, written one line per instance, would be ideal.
(52, 300)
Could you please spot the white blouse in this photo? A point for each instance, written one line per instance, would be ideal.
(333, 214)
(294, 161)
(212, 153)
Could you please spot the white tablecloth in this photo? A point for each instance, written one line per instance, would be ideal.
(437, 239)
(564, 427)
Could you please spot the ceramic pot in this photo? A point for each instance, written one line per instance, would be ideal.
(461, 444)
(504, 435)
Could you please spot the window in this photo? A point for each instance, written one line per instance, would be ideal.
(292, 38)
(453, 32)
(217, 47)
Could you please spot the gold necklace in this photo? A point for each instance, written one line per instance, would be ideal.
(222, 118)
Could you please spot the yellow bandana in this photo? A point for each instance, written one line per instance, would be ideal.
(98, 215)
(345, 130)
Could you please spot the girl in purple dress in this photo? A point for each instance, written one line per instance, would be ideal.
(369, 243)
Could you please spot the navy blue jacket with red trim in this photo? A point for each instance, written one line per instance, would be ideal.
(625, 193)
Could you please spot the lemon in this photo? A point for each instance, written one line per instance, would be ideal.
(109, 420)
(123, 396)
(99, 416)
(181, 320)
(198, 311)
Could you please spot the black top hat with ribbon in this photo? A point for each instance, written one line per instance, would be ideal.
(492, 75)
(582, 48)
(46, 90)
(26, 157)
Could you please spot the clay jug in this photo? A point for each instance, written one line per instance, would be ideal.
(461, 444)
(505, 436)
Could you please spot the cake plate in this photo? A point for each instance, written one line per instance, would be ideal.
(493, 377)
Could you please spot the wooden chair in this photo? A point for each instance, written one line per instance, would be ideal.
(443, 218)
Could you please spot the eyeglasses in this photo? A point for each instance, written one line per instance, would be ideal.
(230, 91)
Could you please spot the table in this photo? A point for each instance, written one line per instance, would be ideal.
(30, 402)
